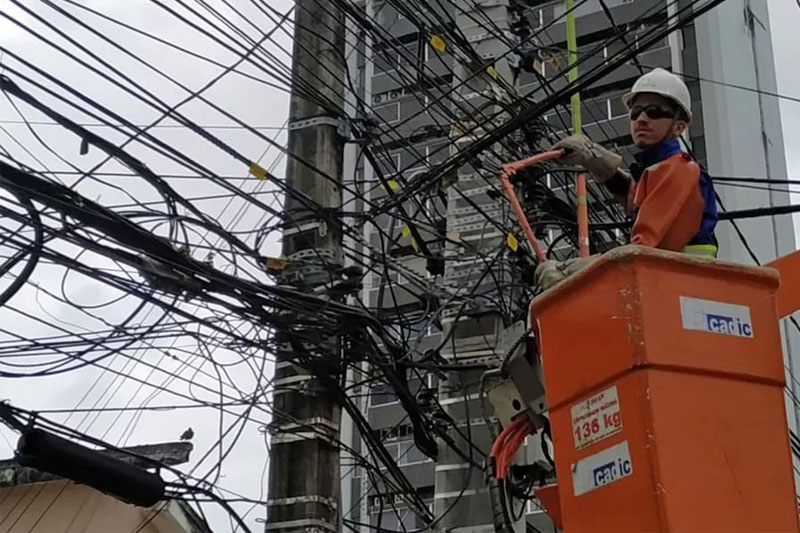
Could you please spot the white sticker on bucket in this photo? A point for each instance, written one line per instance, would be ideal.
(716, 317)
(596, 418)
(602, 468)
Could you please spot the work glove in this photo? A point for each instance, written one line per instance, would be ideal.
(548, 273)
(580, 151)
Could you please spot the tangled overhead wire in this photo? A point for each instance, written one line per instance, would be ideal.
(147, 260)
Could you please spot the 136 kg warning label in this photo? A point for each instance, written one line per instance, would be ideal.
(596, 418)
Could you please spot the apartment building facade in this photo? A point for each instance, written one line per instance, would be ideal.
(729, 46)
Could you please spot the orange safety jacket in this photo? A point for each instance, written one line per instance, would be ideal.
(666, 198)
(668, 203)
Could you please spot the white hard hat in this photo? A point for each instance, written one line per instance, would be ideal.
(664, 83)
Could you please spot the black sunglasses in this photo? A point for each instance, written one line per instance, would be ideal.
(653, 111)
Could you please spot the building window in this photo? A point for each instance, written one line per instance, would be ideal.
(381, 394)
(361, 79)
(617, 107)
(388, 113)
(409, 454)
(396, 432)
(405, 452)
(436, 153)
(392, 276)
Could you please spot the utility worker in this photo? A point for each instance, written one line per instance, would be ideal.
(670, 197)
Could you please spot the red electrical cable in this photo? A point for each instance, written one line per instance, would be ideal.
(502, 460)
(500, 440)
(498, 447)
(509, 169)
(511, 447)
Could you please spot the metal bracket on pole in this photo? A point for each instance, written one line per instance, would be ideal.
(328, 502)
(318, 428)
(319, 225)
(342, 125)
(308, 525)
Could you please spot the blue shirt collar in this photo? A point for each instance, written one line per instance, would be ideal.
(654, 154)
(658, 153)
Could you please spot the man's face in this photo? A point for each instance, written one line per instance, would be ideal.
(647, 130)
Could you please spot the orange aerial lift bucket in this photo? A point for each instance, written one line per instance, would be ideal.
(665, 384)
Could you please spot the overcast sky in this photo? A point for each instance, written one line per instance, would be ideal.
(256, 105)
(785, 23)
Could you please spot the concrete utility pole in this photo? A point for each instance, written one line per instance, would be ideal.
(304, 484)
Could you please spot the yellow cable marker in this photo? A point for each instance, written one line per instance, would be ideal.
(276, 263)
(492, 72)
(406, 231)
(393, 185)
(438, 43)
(512, 242)
(258, 171)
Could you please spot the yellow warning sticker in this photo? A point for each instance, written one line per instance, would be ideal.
(258, 171)
(406, 231)
(438, 43)
(393, 185)
(512, 242)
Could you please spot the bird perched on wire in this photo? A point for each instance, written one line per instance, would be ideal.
(188, 434)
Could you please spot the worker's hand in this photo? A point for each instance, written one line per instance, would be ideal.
(548, 273)
(580, 150)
